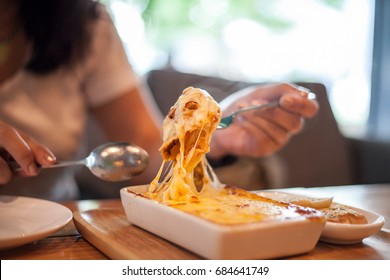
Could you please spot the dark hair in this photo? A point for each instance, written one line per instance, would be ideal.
(58, 30)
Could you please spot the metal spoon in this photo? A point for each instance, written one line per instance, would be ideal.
(228, 120)
(114, 161)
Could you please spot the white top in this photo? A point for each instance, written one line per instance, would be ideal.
(53, 108)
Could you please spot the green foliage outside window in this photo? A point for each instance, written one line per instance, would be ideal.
(165, 19)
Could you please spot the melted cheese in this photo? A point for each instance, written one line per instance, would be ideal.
(187, 182)
(233, 206)
(187, 130)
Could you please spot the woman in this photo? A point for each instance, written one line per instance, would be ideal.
(62, 60)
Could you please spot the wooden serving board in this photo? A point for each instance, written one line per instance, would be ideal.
(110, 232)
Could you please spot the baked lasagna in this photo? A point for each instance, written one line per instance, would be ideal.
(186, 180)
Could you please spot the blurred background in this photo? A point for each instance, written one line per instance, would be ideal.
(340, 43)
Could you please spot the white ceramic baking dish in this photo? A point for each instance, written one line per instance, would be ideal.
(263, 240)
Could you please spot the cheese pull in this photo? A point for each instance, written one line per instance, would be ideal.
(187, 131)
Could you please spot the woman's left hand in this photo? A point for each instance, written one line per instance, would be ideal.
(260, 133)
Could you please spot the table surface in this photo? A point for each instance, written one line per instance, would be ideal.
(69, 244)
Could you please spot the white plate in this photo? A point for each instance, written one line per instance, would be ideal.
(262, 240)
(337, 233)
(349, 234)
(24, 220)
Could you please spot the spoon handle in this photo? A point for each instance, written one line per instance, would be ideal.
(64, 164)
(15, 167)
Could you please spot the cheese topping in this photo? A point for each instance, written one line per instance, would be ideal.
(233, 206)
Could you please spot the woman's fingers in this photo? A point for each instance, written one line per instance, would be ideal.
(262, 138)
(43, 156)
(12, 142)
(299, 105)
(290, 122)
(21, 150)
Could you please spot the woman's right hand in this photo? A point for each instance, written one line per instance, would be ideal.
(24, 150)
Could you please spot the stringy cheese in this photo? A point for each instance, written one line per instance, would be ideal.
(187, 182)
(187, 130)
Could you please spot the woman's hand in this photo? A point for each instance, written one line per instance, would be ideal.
(260, 133)
(25, 151)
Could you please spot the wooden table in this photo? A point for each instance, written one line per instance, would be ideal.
(68, 243)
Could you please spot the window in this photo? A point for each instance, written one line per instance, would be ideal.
(327, 41)
(379, 112)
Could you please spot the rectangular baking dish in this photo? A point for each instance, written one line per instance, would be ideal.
(263, 240)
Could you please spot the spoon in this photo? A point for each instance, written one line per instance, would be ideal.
(114, 161)
(228, 120)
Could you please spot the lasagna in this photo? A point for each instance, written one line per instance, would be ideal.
(187, 131)
(187, 182)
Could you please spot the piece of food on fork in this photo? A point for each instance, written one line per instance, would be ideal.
(187, 131)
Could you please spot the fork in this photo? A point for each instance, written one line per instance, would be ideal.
(228, 120)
